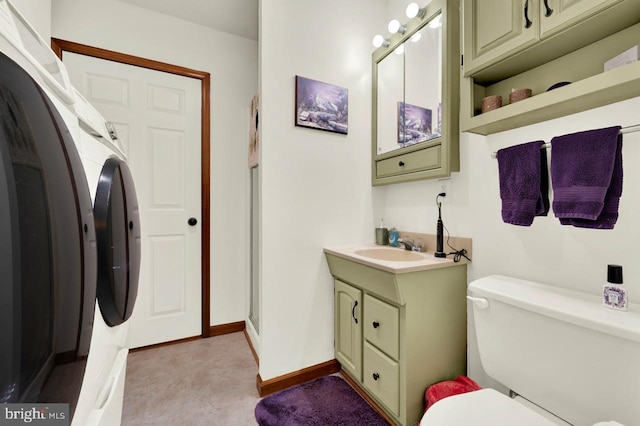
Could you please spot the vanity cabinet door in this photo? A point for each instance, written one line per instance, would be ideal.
(557, 15)
(348, 328)
(495, 29)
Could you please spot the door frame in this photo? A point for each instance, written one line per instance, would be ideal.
(60, 46)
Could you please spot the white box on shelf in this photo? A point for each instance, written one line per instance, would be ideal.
(627, 57)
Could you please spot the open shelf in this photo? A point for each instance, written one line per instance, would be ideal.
(591, 87)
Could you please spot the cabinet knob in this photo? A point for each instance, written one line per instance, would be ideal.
(376, 324)
(192, 221)
(548, 10)
(353, 311)
(401, 164)
(376, 376)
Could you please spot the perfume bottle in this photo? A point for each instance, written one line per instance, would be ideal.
(614, 295)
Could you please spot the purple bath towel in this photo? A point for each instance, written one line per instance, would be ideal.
(524, 184)
(586, 174)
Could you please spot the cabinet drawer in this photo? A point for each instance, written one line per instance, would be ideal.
(382, 377)
(425, 159)
(382, 325)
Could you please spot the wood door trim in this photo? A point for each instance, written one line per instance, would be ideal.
(59, 46)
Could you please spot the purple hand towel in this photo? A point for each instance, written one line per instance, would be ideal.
(586, 174)
(524, 185)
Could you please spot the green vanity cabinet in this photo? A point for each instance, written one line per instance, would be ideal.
(398, 333)
(348, 328)
(415, 99)
(535, 44)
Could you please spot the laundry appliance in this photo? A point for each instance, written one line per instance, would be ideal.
(48, 252)
(66, 237)
(118, 242)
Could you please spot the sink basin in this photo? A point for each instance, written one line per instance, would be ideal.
(390, 254)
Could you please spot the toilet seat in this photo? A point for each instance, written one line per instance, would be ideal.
(485, 407)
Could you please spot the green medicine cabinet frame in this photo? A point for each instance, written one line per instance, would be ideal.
(439, 156)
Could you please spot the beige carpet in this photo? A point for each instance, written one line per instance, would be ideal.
(204, 382)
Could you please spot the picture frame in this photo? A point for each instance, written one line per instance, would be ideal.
(414, 124)
(321, 106)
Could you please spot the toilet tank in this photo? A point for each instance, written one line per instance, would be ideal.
(560, 349)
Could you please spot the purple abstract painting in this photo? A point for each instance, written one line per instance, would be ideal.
(321, 106)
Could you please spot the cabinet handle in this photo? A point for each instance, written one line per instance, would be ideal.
(548, 11)
(528, 22)
(376, 376)
(401, 164)
(353, 311)
(376, 324)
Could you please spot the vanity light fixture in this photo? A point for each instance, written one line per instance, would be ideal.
(414, 10)
(378, 41)
(395, 27)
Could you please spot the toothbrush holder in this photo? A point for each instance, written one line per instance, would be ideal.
(382, 236)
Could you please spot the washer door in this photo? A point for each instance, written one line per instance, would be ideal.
(118, 237)
(47, 248)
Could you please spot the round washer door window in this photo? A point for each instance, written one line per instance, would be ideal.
(118, 238)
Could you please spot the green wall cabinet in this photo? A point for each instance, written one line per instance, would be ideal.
(415, 99)
(535, 44)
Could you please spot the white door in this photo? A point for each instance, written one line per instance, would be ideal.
(158, 116)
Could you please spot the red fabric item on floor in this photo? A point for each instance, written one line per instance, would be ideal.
(461, 384)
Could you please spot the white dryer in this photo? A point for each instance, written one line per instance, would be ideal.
(118, 242)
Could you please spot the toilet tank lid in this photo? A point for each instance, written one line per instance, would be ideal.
(576, 307)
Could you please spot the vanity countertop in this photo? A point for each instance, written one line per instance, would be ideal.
(392, 259)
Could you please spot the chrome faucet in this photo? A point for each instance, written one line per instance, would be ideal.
(408, 244)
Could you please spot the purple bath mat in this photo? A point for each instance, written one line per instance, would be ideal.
(328, 401)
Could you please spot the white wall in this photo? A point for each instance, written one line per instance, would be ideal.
(38, 13)
(316, 186)
(233, 64)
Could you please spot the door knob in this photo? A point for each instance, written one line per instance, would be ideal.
(192, 221)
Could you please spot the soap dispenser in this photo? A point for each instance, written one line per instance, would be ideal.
(614, 295)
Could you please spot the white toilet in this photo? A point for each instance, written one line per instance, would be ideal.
(565, 357)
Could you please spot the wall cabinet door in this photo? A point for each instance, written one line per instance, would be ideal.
(494, 29)
(557, 15)
(348, 328)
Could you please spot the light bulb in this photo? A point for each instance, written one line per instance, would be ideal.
(399, 50)
(412, 10)
(416, 37)
(378, 41)
(395, 27)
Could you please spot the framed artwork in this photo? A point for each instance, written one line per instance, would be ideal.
(414, 124)
(321, 106)
(254, 133)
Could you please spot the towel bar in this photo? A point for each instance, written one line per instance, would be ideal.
(628, 129)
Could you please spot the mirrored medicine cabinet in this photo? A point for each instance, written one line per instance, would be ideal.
(415, 98)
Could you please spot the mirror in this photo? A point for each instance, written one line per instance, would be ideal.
(409, 88)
